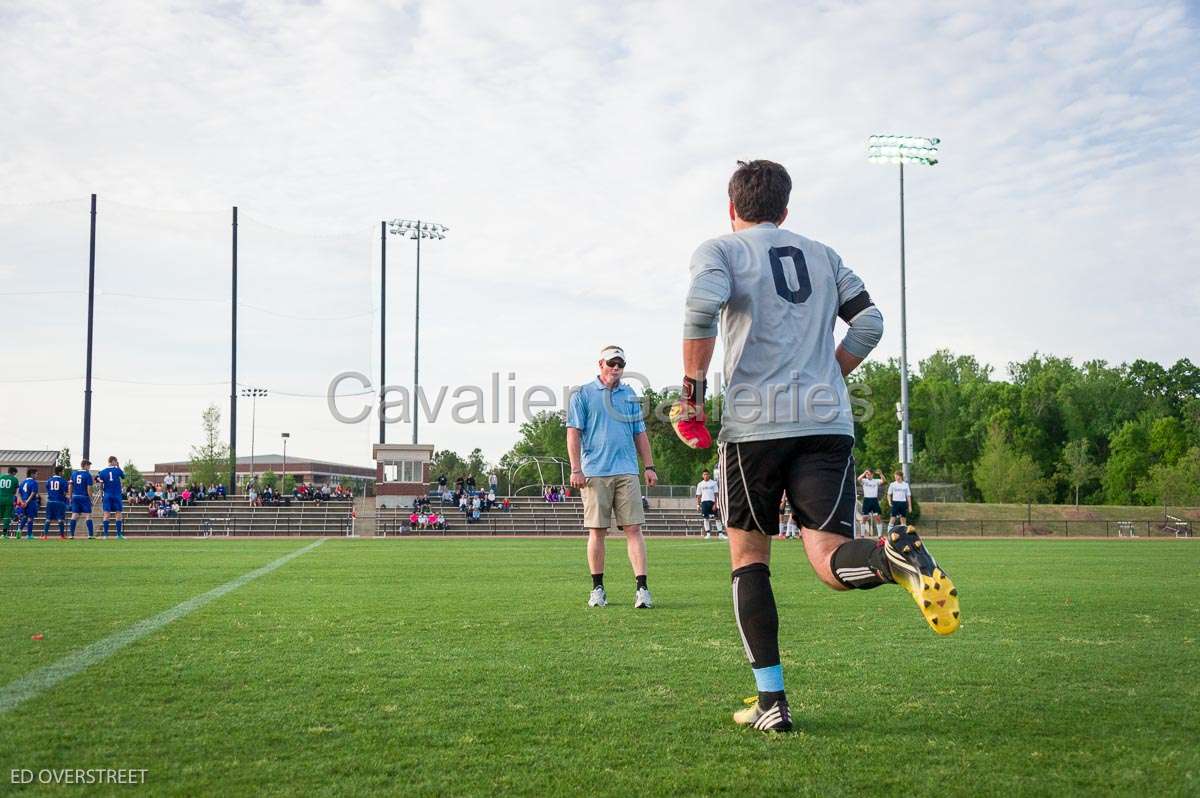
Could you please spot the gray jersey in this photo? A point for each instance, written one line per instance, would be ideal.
(778, 295)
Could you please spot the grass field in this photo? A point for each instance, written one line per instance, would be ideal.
(472, 667)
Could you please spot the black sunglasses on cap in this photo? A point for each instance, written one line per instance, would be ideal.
(615, 363)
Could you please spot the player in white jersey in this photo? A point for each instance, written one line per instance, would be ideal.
(898, 493)
(870, 503)
(787, 521)
(786, 425)
(706, 501)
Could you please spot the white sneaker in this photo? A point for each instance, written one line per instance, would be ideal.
(642, 600)
(723, 536)
(598, 598)
(708, 535)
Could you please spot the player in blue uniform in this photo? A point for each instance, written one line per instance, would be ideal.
(30, 500)
(56, 503)
(113, 503)
(81, 498)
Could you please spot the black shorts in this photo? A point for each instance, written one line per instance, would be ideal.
(706, 509)
(899, 509)
(815, 471)
(870, 506)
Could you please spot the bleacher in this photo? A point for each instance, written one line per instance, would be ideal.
(532, 515)
(235, 516)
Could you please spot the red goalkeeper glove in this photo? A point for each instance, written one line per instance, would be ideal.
(687, 416)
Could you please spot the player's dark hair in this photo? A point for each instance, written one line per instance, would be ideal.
(29, 472)
(759, 191)
(12, 469)
(58, 471)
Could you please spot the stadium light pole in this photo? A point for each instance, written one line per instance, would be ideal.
(252, 394)
(382, 326)
(87, 386)
(901, 150)
(416, 230)
(284, 436)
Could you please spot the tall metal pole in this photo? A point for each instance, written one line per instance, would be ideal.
(382, 326)
(233, 369)
(87, 387)
(253, 419)
(285, 436)
(415, 404)
(904, 448)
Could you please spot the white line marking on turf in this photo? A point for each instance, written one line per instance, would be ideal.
(33, 684)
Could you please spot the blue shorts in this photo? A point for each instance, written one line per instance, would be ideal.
(113, 504)
(31, 508)
(81, 505)
(56, 511)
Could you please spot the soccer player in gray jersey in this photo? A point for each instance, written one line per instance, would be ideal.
(786, 424)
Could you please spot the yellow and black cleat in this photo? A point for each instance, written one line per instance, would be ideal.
(915, 570)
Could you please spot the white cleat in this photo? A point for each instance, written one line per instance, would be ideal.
(598, 598)
(723, 536)
(642, 600)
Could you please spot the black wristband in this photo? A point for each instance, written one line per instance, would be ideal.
(650, 468)
(693, 391)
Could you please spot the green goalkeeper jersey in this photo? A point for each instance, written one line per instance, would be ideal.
(8, 488)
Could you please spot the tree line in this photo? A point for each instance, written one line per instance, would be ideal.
(1054, 431)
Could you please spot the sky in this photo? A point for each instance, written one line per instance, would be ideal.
(578, 154)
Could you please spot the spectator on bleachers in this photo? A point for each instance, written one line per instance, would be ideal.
(413, 520)
(505, 504)
(491, 498)
(436, 521)
(169, 480)
(423, 520)
(221, 490)
(186, 497)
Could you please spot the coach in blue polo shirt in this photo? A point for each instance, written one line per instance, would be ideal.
(605, 435)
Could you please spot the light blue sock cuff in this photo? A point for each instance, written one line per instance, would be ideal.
(769, 680)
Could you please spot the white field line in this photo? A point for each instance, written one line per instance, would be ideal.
(37, 682)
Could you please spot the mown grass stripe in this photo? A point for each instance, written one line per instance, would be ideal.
(37, 682)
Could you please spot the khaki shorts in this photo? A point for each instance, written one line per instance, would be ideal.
(606, 499)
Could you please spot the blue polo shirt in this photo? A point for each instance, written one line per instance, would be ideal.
(607, 421)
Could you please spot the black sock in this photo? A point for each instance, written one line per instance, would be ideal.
(860, 564)
(597, 580)
(769, 699)
(641, 582)
(754, 611)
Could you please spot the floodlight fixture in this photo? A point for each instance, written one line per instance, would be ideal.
(902, 149)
